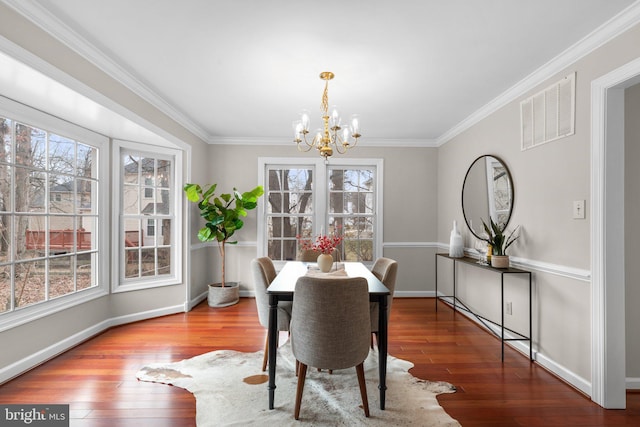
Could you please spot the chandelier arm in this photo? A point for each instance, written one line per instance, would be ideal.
(338, 143)
(300, 147)
(303, 150)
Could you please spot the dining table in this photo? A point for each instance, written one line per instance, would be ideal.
(282, 288)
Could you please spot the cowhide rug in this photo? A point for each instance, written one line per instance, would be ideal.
(231, 390)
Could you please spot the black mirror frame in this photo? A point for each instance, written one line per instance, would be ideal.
(510, 186)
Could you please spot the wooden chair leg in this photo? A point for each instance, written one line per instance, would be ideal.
(266, 354)
(301, 377)
(363, 389)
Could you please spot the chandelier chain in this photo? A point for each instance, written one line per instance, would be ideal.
(324, 105)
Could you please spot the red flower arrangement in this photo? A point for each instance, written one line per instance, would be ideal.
(323, 243)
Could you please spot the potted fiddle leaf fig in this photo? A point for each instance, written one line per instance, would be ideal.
(222, 215)
(499, 242)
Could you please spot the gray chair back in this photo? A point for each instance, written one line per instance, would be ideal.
(264, 272)
(330, 322)
(386, 270)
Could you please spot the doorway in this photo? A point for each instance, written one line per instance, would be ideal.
(608, 368)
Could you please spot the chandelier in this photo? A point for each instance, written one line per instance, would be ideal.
(335, 135)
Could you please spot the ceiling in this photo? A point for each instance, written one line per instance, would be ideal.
(232, 70)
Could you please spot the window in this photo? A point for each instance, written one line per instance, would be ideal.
(49, 212)
(306, 197)
(351, 209)
(148, 191)
(147, 247)
(151, 227)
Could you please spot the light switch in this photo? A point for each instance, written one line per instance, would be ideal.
(578, 209)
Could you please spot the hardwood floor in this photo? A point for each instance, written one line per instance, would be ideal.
(97, 378)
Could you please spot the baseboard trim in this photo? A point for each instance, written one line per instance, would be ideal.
(564, 374)
(197, 300)
(633, 383)
(558, 370)
(396, 294)
(15, 369)
(414, 294)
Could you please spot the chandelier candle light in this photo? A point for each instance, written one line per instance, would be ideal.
(334, 135)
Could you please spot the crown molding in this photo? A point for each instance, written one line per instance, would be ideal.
(62, 32)
(614, 27)
(371, 142)
(617, 25)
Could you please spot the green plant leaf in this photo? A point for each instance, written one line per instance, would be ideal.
(204, 234)
(193, 192)
(209, 191)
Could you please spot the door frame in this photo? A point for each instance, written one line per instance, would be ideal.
(608, 366)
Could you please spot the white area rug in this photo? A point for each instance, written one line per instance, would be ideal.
(231, 390)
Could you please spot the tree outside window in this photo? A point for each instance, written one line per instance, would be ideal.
(48, 215)
(307, 198)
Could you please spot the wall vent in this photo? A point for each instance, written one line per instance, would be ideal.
(549, 114)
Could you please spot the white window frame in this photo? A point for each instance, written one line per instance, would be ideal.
(320, 206)
(175, 278)
(36, 118)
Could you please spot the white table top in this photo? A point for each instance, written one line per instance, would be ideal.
(285, 281)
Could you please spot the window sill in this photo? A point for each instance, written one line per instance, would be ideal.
(151, 283)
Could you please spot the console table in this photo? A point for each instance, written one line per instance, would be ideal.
(459, 305)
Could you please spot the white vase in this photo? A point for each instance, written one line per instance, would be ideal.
(456, 248)
(325, 262)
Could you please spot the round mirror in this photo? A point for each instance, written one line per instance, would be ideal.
(487, 192)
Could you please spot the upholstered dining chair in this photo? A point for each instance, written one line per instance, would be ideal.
(386, 270)
(309, 255)
(330, 328)
(264, 272)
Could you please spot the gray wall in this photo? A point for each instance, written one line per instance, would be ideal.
(632, 228)
(547, 179)
(419, 206)
(29, 344)
(409, 207)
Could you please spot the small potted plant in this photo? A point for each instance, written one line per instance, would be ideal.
(499, 242)
(325, 245)
(222, 215)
